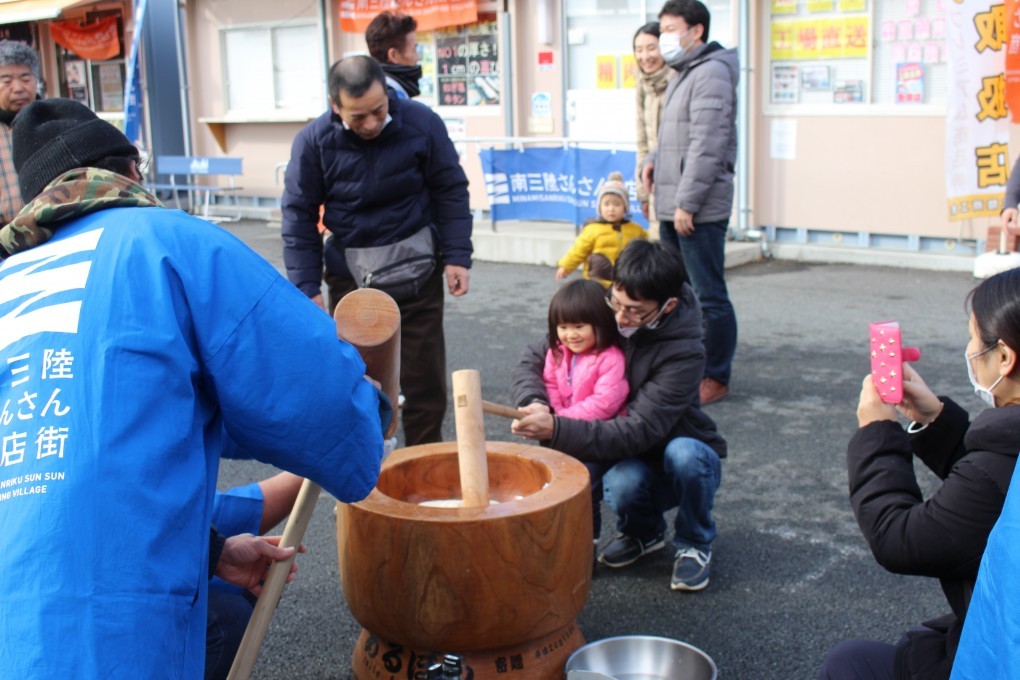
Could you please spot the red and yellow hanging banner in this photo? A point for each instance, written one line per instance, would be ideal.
(1012, 19)
(96, 41)
(977, 123)
(355, 15)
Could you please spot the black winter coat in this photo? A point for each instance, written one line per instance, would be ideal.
(375, 192)
(664, 368)
(945, 535)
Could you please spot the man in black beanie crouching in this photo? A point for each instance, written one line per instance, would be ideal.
(137, 346)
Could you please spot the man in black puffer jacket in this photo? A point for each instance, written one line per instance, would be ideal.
(665, 451)
(396, 206)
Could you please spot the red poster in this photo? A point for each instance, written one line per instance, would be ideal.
(96, 41)
(355, 15)
(1013, 59)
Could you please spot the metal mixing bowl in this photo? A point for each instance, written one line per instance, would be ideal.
(642, 657)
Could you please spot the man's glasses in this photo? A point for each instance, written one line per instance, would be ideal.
(634, 314)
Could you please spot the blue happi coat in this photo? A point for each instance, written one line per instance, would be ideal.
(135, 346)
(990, 644)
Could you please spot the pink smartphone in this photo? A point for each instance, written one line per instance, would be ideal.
(887, 358)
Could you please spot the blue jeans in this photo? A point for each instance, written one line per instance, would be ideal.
(596, 471)
(704, 256)
(226, 622)
(640, 495)
(859, 660)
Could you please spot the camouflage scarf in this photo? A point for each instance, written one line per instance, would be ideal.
(75, 193)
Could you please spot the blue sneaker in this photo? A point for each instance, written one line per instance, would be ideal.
(691, 569)
(624, 550)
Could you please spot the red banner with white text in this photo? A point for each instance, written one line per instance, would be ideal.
(355, 15)
(96, 41)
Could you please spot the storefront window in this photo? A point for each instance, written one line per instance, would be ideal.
(274, 69)
(600, 37)
(90, 60)
(828, 55)
(601, 71)
(460, 65)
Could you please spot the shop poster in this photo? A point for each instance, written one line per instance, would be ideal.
(605, 72)
(910, 83)
(784, 6)
(977, 123)
(813, 39)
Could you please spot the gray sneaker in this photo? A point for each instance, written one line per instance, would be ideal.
(691, 569)
(626, 550)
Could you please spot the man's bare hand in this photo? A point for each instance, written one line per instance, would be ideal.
(683, 222)
(246, 559)
(538, 425)
(457, 279)
(647, 173)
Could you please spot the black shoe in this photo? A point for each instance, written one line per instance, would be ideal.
(626, 550)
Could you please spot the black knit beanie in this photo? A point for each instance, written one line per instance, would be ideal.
(52, 136)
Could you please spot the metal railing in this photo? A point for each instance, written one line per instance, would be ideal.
(739, 232)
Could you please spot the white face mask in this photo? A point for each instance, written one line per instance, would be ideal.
(983, 393)
(627, 331)
(670, 48)
(654, 323)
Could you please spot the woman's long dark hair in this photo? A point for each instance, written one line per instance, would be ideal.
(651, 28)
(582, 301)
(995, 304)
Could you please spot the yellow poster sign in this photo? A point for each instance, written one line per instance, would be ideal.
(820, 5)
(853, 5)
(628, 72)
(605, 74)
(830, 41)
(856, 37)
(808, 39)
(784, 6)
(783, 34)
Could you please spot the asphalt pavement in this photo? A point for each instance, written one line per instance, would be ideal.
(791, 575)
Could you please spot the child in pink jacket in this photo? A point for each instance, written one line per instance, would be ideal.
(584, 367)
(584, 376)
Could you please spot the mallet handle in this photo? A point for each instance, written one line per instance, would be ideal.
(370, 320)
(500, 410)
(467, 411)
(272, 588)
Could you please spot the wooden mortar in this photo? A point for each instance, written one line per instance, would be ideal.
(500, 584)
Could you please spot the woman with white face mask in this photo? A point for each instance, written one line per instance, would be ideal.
(652, 80)
(944, 535)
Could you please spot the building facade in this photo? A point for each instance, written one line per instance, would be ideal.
(844, 122)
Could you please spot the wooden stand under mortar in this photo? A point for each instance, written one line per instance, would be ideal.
(500, 584)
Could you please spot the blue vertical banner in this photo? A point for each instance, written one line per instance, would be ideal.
(559, 184)
(132, 85)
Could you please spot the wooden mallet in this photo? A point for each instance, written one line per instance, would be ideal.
(467, 412)
(370, 321)
(502, 411)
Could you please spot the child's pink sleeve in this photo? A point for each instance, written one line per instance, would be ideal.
(609, 393)
(552, 386)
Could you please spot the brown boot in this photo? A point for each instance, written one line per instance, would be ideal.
(712, 390)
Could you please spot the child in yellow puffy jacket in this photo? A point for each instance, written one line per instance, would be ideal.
(602, 241)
